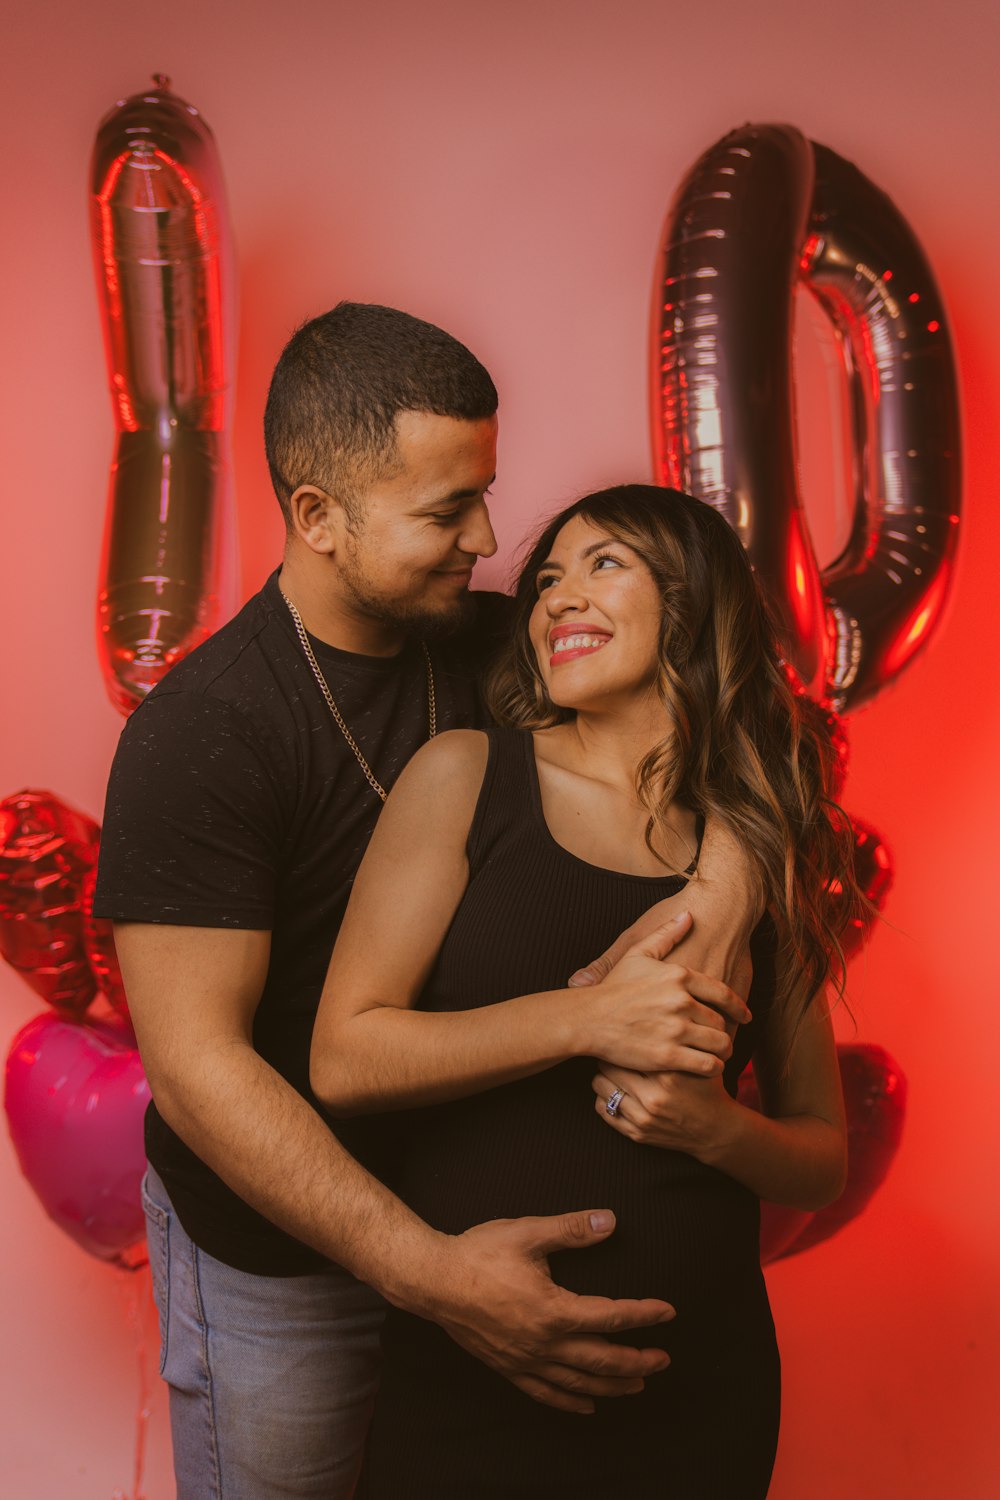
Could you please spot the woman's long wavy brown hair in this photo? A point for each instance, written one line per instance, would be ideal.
(746, 746)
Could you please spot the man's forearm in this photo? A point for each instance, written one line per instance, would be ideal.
(272, 1148)
(729, 878)
(726, 901)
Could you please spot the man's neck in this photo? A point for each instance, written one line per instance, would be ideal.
(330, 617)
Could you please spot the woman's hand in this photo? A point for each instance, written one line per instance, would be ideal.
(794, 1153)
(651, 1014)
(676, 1111)
(726, 904)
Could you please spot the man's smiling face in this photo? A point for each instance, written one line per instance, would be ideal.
(415, 534)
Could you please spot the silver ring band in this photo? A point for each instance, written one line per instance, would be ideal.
(614, 1101)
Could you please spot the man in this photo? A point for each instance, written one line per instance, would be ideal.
(242, 797)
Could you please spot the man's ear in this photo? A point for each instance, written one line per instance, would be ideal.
(318, 519)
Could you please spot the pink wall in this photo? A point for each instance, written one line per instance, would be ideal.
(504, 171)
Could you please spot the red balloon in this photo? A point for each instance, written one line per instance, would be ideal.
(875, 1101)
(46, 848)
(166, 286)
(873, 870)
(75, 1098)
(99, 943)
(838, 734)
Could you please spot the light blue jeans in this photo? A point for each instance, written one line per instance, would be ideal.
(272, 1378)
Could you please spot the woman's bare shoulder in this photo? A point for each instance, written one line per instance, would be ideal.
(455, 750)
(453, 762)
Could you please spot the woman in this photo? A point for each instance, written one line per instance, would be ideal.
(641, 690)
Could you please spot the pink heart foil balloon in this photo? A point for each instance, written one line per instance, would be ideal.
(75, 1098)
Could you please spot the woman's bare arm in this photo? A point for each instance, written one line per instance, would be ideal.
(372, 1051)
(795, 1152)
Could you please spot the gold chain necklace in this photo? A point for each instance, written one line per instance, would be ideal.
(338, 716)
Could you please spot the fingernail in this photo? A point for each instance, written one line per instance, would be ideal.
(681, 915)
(577, 981)
(602, 1222)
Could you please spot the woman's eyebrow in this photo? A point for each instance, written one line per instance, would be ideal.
(605, 541)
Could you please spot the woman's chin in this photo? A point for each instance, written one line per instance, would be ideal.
(583, 703)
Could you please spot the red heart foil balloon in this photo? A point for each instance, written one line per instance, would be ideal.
(46, 848)
(99, 945)
(873, 870)
(875, 1101)
(75, 1098)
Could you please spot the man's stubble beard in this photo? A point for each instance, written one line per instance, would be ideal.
(412, 616)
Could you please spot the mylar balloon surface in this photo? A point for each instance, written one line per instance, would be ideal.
(873, 872)
(165, 282)
(75, 1099)
(761, 211)
(875, 1103)
(46, 849)
(99, 946)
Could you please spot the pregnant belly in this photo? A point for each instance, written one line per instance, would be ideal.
(684, 1231)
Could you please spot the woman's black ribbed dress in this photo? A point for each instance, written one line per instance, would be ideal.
(447, 1427)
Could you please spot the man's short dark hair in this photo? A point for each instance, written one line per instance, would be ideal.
(339, 385)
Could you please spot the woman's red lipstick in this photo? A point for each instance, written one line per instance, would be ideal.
(562, 632)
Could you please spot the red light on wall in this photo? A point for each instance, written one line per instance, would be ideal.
(914, 296)
(933, 326)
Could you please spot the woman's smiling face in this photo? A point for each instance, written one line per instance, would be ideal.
(597, 622)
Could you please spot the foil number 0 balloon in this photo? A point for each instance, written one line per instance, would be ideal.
(761, 209)
(165, 283)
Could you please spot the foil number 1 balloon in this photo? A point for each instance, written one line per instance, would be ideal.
(166, 287)
(761, 210)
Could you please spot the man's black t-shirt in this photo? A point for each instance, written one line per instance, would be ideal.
(235, 801)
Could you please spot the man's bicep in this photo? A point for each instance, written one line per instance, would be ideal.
(189, 986)
(193, 825)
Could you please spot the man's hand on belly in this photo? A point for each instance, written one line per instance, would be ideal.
(498, 1301)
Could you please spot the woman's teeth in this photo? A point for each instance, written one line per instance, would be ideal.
(578, 643)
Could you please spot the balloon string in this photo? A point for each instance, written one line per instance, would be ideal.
(137, 1294)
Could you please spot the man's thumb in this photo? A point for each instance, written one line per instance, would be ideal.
(570, 1231)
